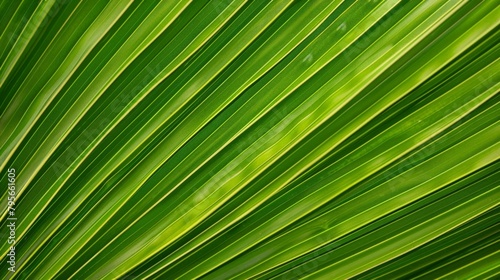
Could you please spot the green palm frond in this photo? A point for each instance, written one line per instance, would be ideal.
(221, 139)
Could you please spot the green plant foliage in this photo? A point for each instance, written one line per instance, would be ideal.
(236, 139)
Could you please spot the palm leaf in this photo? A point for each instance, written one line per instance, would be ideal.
(250, 139)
